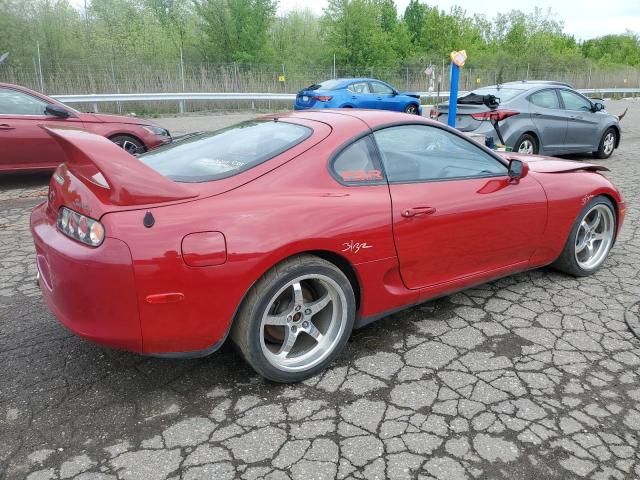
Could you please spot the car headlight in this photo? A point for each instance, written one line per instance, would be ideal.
(156, 130)
(79, 227)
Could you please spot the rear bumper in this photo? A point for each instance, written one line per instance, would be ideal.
(91, 291)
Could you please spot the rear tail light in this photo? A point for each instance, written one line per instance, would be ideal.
(433, 114)
(323, 98)
(79, 227)
(497, 115)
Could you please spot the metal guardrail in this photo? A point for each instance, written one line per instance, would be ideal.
(179, 97)
(95, 99)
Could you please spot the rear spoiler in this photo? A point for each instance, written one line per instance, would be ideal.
(97, 161)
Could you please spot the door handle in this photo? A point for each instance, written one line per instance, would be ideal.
(537, 114)
(379, 98)
(417, 211)
(6, 126)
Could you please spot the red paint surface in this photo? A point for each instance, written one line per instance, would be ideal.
(467, 232)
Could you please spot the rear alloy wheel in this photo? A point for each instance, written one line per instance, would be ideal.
(296, 319)
(607, 144)
(526, 144)
(411, 109)
(590, 240)
(128, 143)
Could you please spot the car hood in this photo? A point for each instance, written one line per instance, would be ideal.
(542, 164)
(106, 118)
(411, 94)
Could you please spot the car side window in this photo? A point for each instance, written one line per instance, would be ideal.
(573, 101)
(414, 153)
(380, 88)
(355, 164)
(545, 99)
(360, 87)
(13, 102)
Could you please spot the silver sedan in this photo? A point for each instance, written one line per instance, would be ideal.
(549, 118)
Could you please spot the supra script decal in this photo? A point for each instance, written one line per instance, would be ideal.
(355, 247)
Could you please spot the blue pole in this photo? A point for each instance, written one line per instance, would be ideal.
(453, 95)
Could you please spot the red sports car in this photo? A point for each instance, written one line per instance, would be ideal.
(27, 147)
(287, 232)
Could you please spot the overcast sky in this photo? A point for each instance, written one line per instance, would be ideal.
(583, 18)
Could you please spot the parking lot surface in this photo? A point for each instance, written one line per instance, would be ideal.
(533, 376)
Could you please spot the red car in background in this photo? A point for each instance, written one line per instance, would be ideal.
(287, 232)
(25, 146)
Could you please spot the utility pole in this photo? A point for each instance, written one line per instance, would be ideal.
(181, 103)
(40, 68)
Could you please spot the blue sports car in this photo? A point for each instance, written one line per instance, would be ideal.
(357, 93)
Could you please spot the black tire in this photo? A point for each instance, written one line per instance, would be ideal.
(527, 139)
(246, 330)
(603, 152)
(567, 261)
(128, 143)
(412, 109)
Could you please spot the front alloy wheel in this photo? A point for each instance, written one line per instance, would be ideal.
(411, 109)
(594, 237)
(128, 143)
(607, 144)
(590, 239)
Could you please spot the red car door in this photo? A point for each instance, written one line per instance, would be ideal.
(23, 144)
(456, 214)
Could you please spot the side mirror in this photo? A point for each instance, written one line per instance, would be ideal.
(394, 93)
(517, 169)
(56, 110)
(597, 107)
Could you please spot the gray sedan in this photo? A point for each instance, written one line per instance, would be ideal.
(537, 117)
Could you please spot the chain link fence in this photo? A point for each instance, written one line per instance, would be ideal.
(126, 77)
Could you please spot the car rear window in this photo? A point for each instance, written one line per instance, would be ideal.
(326, 85)
(504, 94)
(208, 156)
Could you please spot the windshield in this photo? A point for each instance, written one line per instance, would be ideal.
(504, 94)
(326, 85)
(211, 156)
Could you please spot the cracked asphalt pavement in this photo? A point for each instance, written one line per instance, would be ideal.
(534, 376)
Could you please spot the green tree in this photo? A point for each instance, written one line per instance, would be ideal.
(357, 32)
(236, 30)
(413, 19)
(297, 39)
(614, 49)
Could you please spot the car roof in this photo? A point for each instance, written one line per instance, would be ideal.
(359, 79)
(530, 84)
(358, 118)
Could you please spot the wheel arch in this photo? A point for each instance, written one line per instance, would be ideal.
(618, 133)
(616, 207)
(342, 263)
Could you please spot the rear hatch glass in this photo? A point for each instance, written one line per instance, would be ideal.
(208, 156)
(326, 85)
(502, 94)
